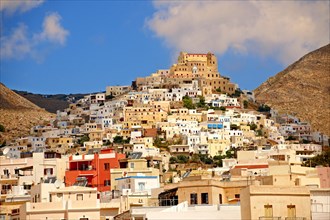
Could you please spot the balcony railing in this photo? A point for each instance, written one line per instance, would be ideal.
(9, 176)
(81, 169)
(6, 191)
(295, 218)
(269, 218)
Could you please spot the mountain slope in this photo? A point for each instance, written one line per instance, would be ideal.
(302, 89)
(18, 115)
(51, 103)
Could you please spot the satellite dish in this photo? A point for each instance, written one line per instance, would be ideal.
(58, 184)
(5, 151)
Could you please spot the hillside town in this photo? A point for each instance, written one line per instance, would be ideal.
(181, 143)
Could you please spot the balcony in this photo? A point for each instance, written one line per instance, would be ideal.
(6, 191)
(82, 169)
(9, 176)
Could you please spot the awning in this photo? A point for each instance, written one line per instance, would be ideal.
(25, 168)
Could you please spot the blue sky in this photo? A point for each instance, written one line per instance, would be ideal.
(54, 47)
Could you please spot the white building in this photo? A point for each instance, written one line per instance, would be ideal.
(182, 212)
(137, 185)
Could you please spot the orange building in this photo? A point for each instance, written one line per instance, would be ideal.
(92, 170)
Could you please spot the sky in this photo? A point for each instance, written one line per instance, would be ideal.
(52, 47)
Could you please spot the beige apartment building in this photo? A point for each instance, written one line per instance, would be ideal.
(198, 191)
(145, 115)
(117, 90)
(274, 202)
(59, 144)
(73, 202)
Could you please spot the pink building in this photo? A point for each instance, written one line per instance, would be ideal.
(324, 175)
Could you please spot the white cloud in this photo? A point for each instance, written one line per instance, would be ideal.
(11, 6)
(284, 29)
(52, 29)
(17, 44)
(20, 43)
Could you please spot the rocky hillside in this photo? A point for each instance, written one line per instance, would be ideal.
(51, 103)
(18, 115)
(302, 89)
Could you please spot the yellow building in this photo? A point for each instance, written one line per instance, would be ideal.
(117, 90)
(96, 135)
(73, 202)
(145, 115)
(274, 202)
(196, 190)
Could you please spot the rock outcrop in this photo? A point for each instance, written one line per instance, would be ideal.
(18, 115)
(302, 89)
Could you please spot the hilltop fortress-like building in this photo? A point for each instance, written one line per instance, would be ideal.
(190, 69)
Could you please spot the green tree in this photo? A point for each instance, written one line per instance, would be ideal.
(3, 144)
(263, 108)
(218, 90)
(245, 103)
(253, 126)
(2, 128)
(259, 132)
(109, 97)
(83, 139)
(201, 102)
(233, 127)
(217, 160)
(182, 159)
(195, 158)
(118, 140)
(187, 103)
(306, 141)
(237, 93)
(205, 159)
(291, 138)
(229, 154)
(322, 159)
(173, 160)
(107, 143)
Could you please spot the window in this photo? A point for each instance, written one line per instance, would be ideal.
(291, 210)
(132, 165)
(106, 166)
(205, 198)
(142, 186)
(27, 187)
(193, 198)
(6, 187)
(80, 197)
(268, 210)
(237, 196)
(220, 198)
(6, 172)
(107, 182)
(48, 171)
